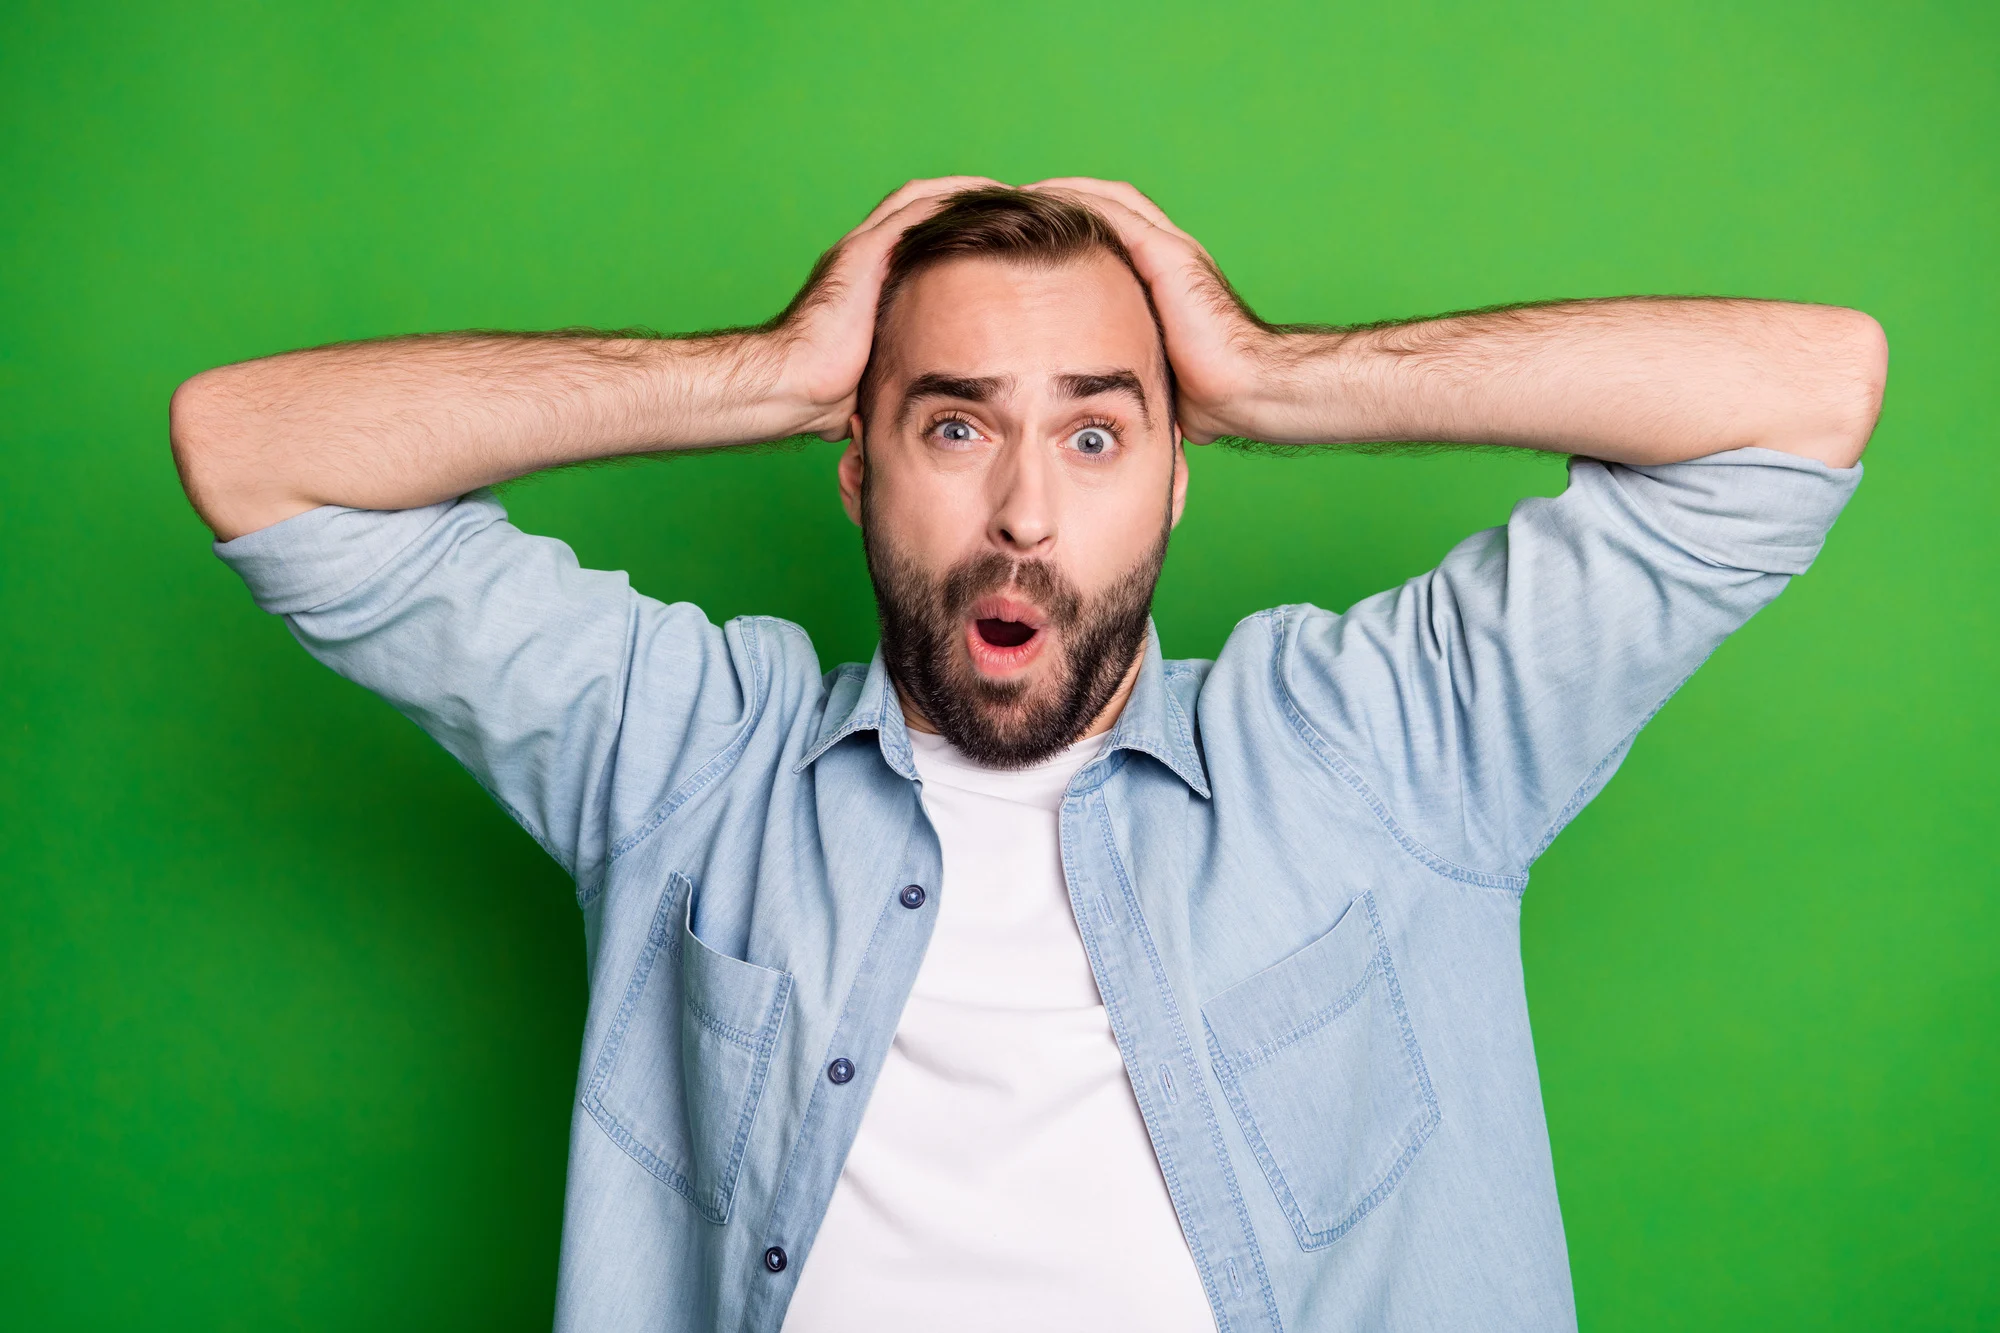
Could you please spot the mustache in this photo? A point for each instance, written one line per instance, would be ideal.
(991, 572)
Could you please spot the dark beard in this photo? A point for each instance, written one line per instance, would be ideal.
(996, 722)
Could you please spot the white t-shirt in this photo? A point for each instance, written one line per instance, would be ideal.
(1001, 1177)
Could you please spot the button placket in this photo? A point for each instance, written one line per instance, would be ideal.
(889, 962)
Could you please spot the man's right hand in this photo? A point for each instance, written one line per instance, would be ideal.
(824, 335)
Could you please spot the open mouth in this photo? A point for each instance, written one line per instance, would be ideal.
(1004, 633)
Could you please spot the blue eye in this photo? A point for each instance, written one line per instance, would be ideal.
(1093, 441)
(954, 431)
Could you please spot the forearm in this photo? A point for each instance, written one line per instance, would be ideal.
(1636, 380)
(404, 422)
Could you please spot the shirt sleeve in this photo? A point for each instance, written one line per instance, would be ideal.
(519, 662)
(1481, 705)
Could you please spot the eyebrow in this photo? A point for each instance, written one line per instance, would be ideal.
(985, 388)
(1110, 381)
(966, 388)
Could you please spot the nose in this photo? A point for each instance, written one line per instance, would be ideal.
(1024, 517)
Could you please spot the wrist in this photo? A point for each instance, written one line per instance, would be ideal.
(812, 396)
(1281, 387)
(731, 388)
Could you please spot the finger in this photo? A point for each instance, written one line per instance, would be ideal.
(1170, 261)
(904, 194)
(1124, 193)
(877, 238)
(863, 255)
(1148, 243)
(1111, 206)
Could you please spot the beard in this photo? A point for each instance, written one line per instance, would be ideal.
(1018, 722)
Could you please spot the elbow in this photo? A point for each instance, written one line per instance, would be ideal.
(190, 414)
(192, 431)
(1860, 362)
(1842, 364)
(204, 420)
(1870, 377)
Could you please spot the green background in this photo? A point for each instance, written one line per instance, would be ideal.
(291, 1010)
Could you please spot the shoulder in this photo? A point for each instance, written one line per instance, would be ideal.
(776, 660)
(1250, 670)
(1255, 650)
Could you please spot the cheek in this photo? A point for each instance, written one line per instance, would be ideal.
(1107, 536)
(938, 519)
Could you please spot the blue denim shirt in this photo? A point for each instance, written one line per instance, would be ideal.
(1297, 871)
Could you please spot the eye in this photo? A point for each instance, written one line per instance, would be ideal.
(1094, 441)
(954, 431)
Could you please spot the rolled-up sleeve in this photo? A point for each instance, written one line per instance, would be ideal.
(1483, 703)
(520, 662)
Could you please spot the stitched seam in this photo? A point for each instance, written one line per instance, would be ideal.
(1169, 1164)
(722, 763)
(527, 824)
(1111, 763)
(1253, 1133)
(820, 1098)
(1264, 1051)
(587, 893)
(858, 720)
(753, 1096)
(1411, 1138)
(1186, 1052)
(658, 936)
(664, 936)
(645, 1157)
(735, 1036)
(1348, 774)
(1586, 791)
(1419, 1130)
(1180, 720)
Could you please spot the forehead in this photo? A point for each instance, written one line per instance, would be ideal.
(994, 316)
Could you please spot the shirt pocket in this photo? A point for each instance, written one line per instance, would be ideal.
(1317, 1059)
(678, 1078)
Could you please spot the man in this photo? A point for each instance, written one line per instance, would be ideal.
(1024, 978)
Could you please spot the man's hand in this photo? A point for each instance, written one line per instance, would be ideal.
(1223, 355)
(825, 334)
(1635, 380)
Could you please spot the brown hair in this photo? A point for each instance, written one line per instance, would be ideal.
(996, 222)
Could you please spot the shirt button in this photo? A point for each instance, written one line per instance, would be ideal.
(840, 1070)
(912, 896)
(774, 1259)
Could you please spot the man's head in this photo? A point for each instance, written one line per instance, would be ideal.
(1015, 469)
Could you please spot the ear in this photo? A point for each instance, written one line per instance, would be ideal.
(853, 466)
(1180, 476)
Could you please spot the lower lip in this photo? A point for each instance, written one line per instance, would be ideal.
(993, 660)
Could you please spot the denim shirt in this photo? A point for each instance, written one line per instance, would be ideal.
(1297, 871)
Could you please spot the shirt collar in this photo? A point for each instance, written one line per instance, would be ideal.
(1154, 720)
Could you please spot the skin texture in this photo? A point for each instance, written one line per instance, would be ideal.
(411, 421)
